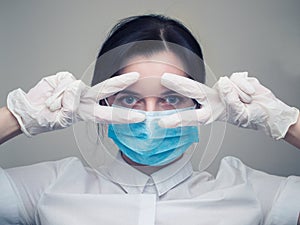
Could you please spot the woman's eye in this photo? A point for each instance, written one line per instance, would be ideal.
(172, 100)
(129, 100)
(126, 101)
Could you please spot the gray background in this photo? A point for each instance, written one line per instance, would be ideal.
(40, 38)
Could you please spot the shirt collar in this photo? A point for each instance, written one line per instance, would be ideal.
(133, 181)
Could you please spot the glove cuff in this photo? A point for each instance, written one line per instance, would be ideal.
(16, 101)
(287, 117)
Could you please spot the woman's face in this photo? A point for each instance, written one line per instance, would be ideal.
(147, 93)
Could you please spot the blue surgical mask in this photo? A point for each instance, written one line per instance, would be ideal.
(149, 144)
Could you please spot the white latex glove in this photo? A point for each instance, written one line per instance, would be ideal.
(60, 100)
(240, 100)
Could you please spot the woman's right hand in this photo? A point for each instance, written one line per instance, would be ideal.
(60, 100)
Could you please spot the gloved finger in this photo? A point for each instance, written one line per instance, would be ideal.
(111, 86)
(68, 97)
(68, 103)
(72, 95)
(187, 118)
(54, 103)
(59, 79)
(50, 88)
(259, 88)
(229, 84)
(186, 86)
(241, 80)
(235, 108)
(107, 114)
(244, 97)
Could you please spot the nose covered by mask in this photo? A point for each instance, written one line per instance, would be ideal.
(149, 144)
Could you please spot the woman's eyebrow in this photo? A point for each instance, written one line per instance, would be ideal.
(170, 92)
(128, 92)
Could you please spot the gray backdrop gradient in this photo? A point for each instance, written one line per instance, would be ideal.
(40, 38)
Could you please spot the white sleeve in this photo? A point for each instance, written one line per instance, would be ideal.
(24, 187)
(286, 206)
(279, 197)
(9, 204)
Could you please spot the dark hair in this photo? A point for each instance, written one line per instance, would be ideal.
(144, 35)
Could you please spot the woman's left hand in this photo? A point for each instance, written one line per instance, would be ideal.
(239, 100)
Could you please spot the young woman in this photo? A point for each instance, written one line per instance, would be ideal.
(147, 87)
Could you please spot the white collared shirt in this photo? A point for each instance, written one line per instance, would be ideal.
(65, 192)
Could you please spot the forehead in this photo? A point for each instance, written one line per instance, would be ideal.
(155, 64)
(151, 68)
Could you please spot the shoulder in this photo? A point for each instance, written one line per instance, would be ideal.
(232, 162)
(237, 167)
(233, 165)
(47, 168)
(232, 168)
